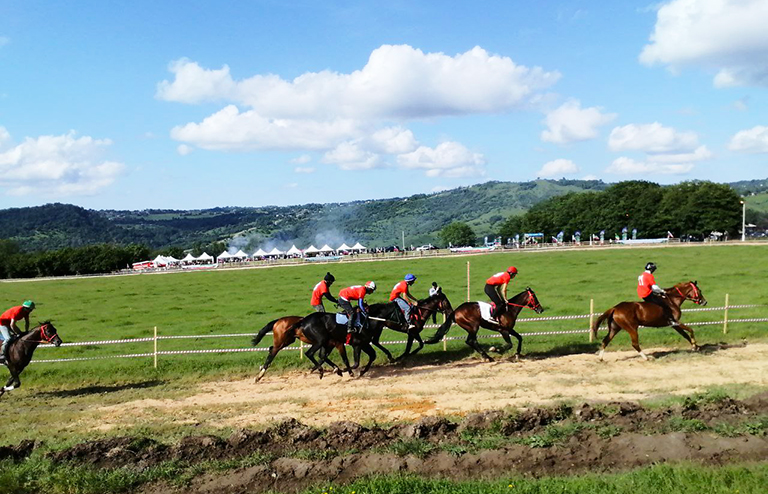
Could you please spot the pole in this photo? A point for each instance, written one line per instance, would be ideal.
(301, 350)
(467, 281)
(445, 337)
(403, 240)
(155, 347)
(725, 316)
(743, 221)
(591, 319)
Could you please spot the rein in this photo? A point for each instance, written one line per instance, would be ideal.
(529, 305)
(43, 337)
(695, 291)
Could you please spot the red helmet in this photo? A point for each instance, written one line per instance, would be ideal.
(512, 270)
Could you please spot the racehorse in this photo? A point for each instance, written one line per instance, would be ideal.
(389, 315)
(19, 351)
(631, 315)
(323, 334)
(468, 316)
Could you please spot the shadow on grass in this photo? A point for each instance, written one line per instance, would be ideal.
(706, 349)
(91, 390)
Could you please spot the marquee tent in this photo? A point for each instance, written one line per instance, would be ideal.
(326, 248)
(293, 251)
(224, 256)
(344, 247)
(276, 252)
(311, 250)
(189, 258)
(358, 246)
(205, 257)
(259, 253)
(240, 254)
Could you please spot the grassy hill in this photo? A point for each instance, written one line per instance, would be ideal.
(374, 223)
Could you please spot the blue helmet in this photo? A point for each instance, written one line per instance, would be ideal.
(410, 277)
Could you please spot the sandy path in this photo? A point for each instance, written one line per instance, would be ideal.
(394, 393)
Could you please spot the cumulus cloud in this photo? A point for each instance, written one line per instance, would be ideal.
(351, 156)
(448, 159)
(557, 168)
(570, 122)
(393, 140)
(628, 166)
(651, 138)
(754, 140)
(397, 82)
(304, 169)
(62, 165)
(301, 160)
(727, 36)
(183, 149)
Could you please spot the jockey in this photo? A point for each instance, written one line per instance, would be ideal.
(403, 298)
(496, 289)
(9, 318)
(649, 291)
(358, 293)
(320, 291)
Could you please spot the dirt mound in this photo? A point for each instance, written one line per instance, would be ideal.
(539, 441)
(18, 452)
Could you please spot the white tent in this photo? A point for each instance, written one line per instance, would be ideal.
(225, 256)
(240, 254)
(171, 260)
(189, 258)
(358, 246)
(326, 248)
(259, 253)
(293, 251)
(344, 247)
(205, 257)
(276, 252)
(160, 261)
(311, 250)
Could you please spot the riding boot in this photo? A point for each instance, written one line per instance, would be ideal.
(350, 323)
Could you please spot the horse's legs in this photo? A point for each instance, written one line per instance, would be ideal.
(613, 328)
(12, 383)
(368, 349)
(505, 332)
(682, 328)
(635, 341)
(472, 342)
(311, 356)
(418, 339)
(377, 344)
(343, 352)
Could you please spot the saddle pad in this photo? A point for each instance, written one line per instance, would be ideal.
(341, 318)
(485, 311)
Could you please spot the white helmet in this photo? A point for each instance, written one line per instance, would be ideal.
(371, 286)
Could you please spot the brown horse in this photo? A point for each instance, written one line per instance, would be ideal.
(285, 331)
(19, 351)
(631, 315)
(468, 316)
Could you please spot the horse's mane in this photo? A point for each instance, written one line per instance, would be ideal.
(24, 333)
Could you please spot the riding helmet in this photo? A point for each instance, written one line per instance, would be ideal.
(410, 277)
(329, 278)
(371, 286)
(28, 304)
(650, 267)
(512, 270)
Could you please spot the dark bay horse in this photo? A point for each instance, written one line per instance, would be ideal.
(631, 315)
(394, 319)
(19, 351)
(468, 316)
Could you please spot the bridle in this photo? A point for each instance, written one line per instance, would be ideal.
(44, 338)
(531, 304)
(696, 300)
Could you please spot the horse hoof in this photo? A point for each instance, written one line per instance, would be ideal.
(493, 349)
(490, 359)
(696, 348)
(517, 357)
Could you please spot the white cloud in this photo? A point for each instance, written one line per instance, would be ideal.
(754, 140)
(351, 156)
(448, 159)
(698, 154)
(397, 82)
(393, 140)
(302, 160)
(183, 149)
(62, 165)
(570, 122)
(741, 104)
(5, 136)
(557, 168)
(651, 138)
(304, 169)
(628, 166)
(728, 36)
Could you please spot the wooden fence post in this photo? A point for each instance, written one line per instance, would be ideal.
(155, 347)
(591, 319)
(725, 316)
(301, 350)
(445, 337)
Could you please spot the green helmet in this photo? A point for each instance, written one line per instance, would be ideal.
(28, 304)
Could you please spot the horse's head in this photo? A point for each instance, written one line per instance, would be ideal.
(443, 304)
(688, 290)
(49, 334)
(533, 301)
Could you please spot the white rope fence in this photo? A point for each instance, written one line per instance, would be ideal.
(724, 322)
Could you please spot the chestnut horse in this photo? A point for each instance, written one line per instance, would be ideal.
(631, 315)
(468, 316)
(19, 351)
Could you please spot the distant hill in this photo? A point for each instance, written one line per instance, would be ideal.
(374, 223)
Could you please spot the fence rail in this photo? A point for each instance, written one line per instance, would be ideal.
(725, 321)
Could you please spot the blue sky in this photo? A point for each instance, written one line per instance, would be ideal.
(189, 105)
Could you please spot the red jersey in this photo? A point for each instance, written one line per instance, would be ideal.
(356, 292)
(318, 292)
(644, 283)
(399, 289)
(15, 313)
(499, 278)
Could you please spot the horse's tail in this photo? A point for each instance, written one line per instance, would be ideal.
(441, 330)
(606, 315)
(266, 329)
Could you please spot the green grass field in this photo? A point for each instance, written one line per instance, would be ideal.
(242, 301)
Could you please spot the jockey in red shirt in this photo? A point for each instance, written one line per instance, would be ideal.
(496, 289)
(403, 298)
(358, 293)
(9, 319)
(649, 291)
(320, 291)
